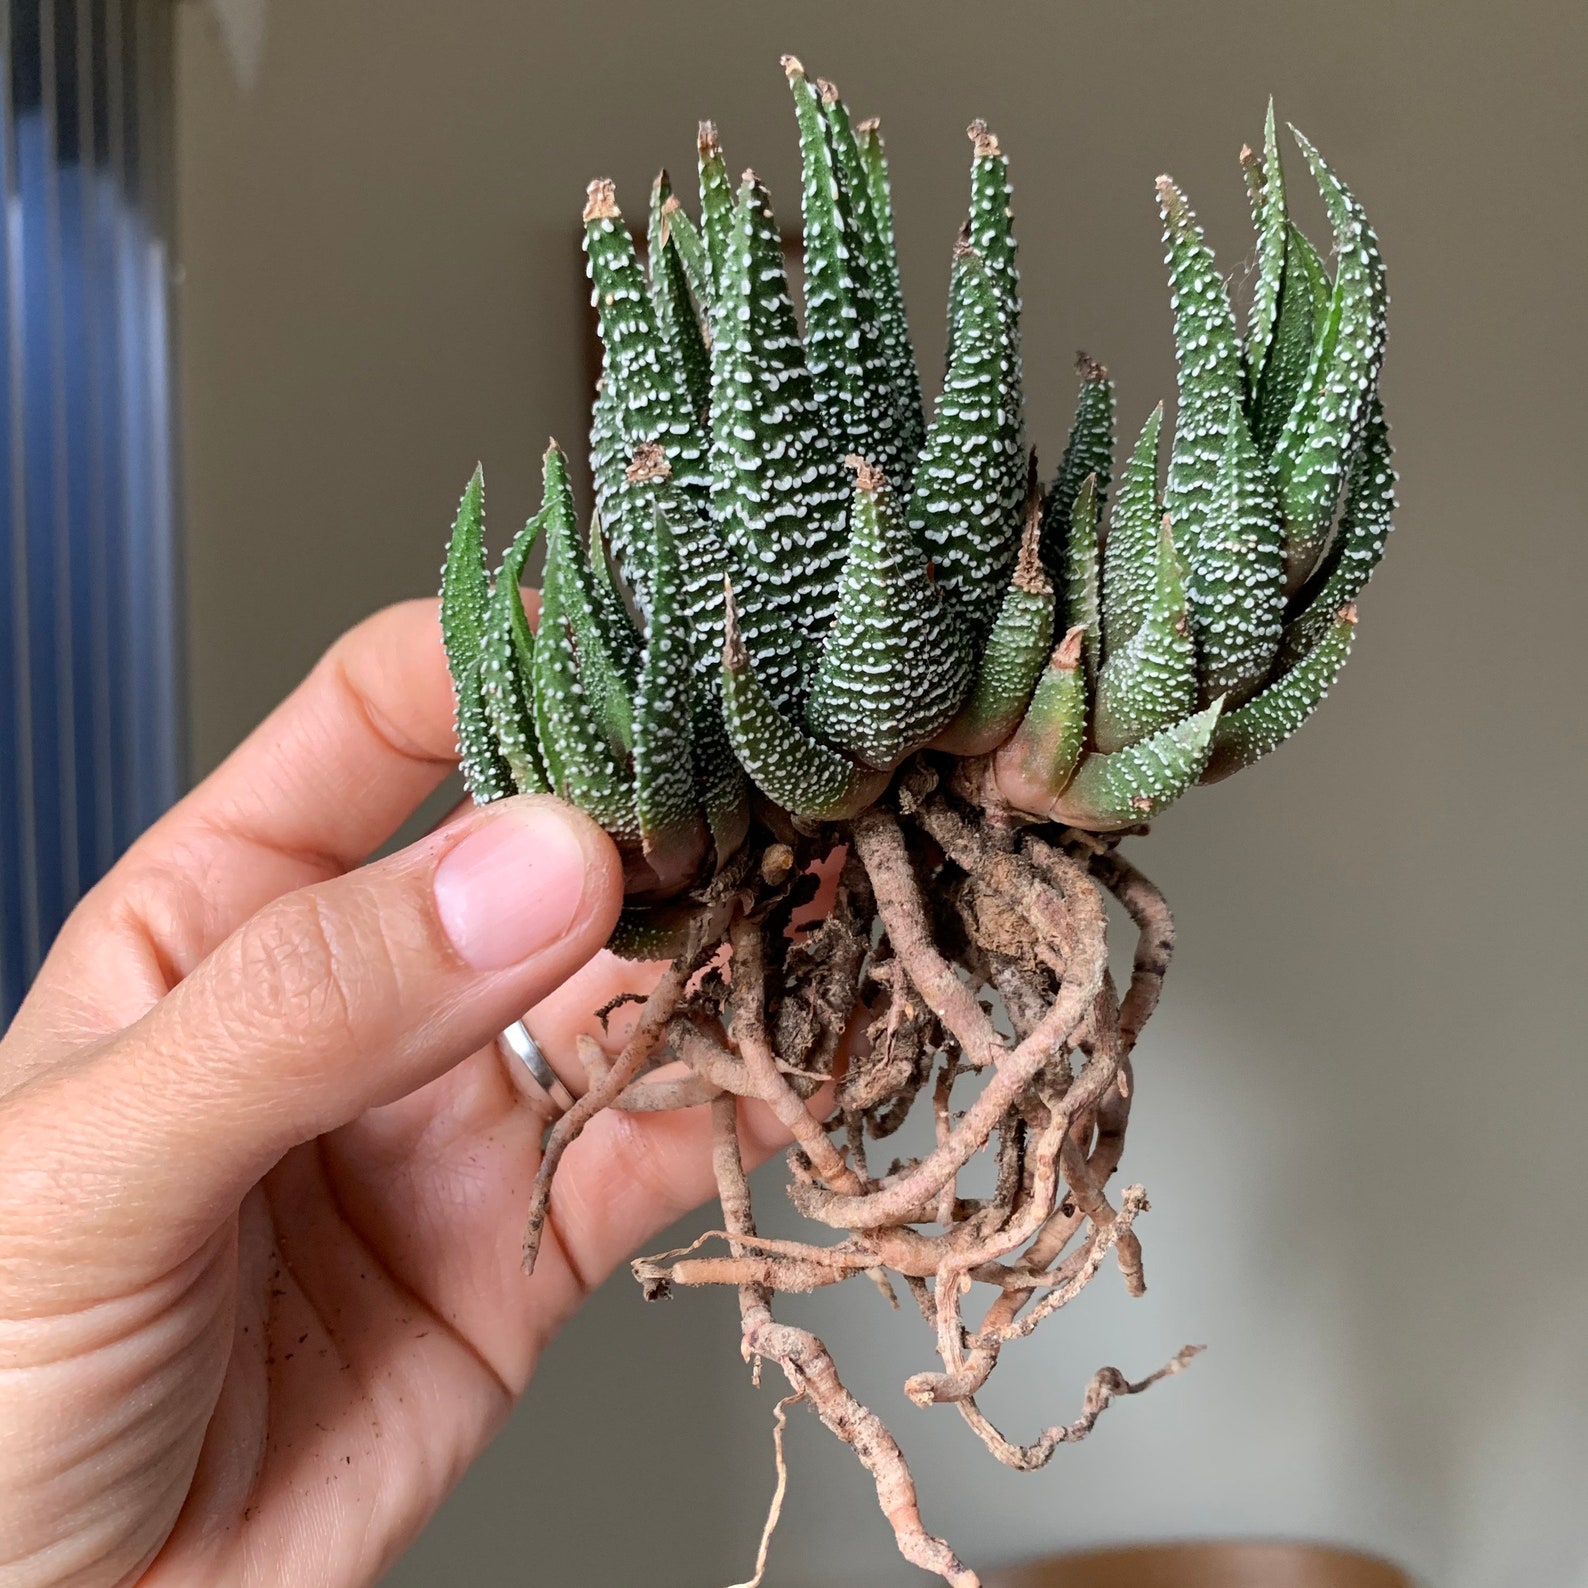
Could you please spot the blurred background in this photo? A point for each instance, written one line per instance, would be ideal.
(1362, 1104)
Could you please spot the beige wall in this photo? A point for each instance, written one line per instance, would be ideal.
(1362, 1109)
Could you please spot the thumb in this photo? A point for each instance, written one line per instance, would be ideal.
(327, 1002)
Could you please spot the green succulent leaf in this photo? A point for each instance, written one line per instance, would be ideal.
(1089, 451)
(1132, 785)
(716, 199)
(1037, 763)
(1303, 312)
(1208, 357)
(1013, 658)
(739, 615)
(989, 232)
(866, 171)
(696, 263)
(959, 510)
(778, 492)
(1150, 681)
(673, 302)
(896, 665)
(583, 714)
(507, 669)
(1358, 543)
(843, 340)
(646, 387)
(806, 778)
(607, 449)
(653, 931)
(702, 569)
(1130, 555)
(465, 596)
(673, 831)
(619, 635)
(724, 793)
(990, 225)
(1323, 427)
(1083, 604)
(1237, 572)
(1265, 185)
(1268, 719)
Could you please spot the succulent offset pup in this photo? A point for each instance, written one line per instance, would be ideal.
(811, 634)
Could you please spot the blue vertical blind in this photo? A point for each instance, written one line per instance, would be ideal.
(90, 746)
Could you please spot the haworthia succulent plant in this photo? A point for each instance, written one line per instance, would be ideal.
(778, 493)
(692, 256)
(896, 664)
(621, 639)
(805, 777)
(1129, 565)
(1132, 785)
(673, 833)
(1089, 451)
(1083, 575)
(507, 669)
(702, 570)
(1208, 355)
(1265, 184)
(1326, 422)
(958, 508)
(647, 381)
(989, 229)
(1013, 658)
(1266, 721)
(1303, 309)
(843, 337)
(677, 318)
(1359, 540)
(1237, 570)
(882, 259)
(579, 700)
(465, 595)
(1150, 681)
(716, 198)
(1036, 764)
(915, 613)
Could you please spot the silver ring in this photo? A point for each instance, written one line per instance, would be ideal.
(523, 1047)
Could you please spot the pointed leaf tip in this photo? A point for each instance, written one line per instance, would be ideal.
(1110, 792)
(601, 200)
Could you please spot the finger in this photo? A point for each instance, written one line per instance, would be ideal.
(332, 999)
(319, 785)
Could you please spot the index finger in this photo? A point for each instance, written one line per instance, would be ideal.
(321, 783)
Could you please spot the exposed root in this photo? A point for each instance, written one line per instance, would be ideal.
(775, 1510)
(944, 912)
(1107, 1385)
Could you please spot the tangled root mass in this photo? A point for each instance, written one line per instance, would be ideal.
(944, 910)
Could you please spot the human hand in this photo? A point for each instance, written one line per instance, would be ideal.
(263, 1173)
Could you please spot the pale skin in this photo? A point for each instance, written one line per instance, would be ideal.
(263, 1172)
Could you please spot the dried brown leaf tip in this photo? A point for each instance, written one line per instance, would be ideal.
(828, 90)
(867, 476)
(707, 142)
(1029, 572)
(648, 463)
(601, 200)
(791, 67)
(986, 143)
(1088, 368)
(1067, 653)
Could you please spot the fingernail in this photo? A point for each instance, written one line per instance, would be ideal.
(512, 887)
